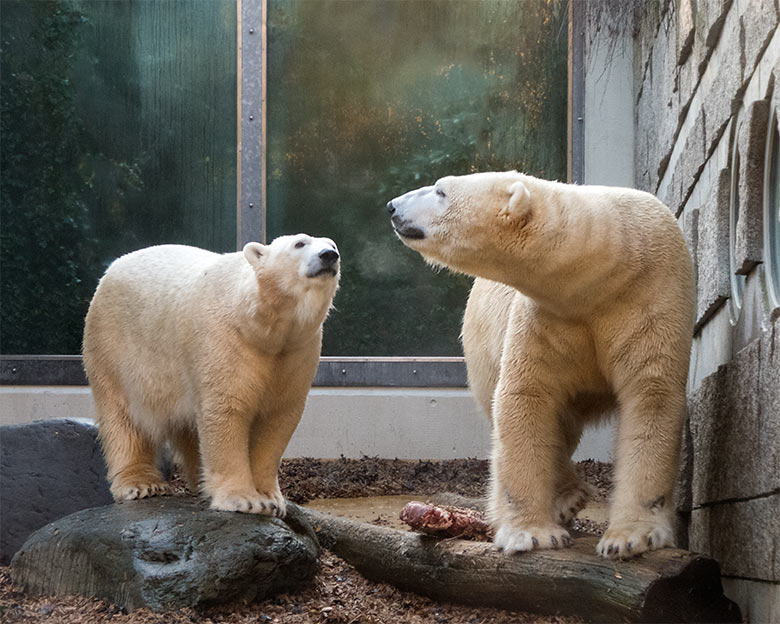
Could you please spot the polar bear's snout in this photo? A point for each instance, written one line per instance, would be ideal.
(406, 212)
(325, 262)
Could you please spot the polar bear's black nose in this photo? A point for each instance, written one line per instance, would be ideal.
(329, 256)
(390, 207)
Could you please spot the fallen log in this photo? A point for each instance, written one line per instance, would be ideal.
(663, 586)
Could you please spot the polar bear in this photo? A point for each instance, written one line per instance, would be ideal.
(583, 304)
(212, 354)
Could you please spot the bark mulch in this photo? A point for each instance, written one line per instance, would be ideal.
(338, 593)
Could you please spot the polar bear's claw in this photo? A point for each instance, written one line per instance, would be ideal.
(631, 539)
(569, 502)
(512, 540)
(133, 491)
(249, 502)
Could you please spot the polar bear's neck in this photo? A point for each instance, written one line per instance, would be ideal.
(584, 240)
(280, 314)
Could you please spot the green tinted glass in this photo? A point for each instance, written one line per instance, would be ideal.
(367, 100)
(118, 132)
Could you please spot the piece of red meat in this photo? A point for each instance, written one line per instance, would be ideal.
(446, 521)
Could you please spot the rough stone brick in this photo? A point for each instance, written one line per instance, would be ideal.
(658, 100)
(693, 157)
(759, 22)
(769, 387)
(712, 249)
(684, 494)
(743, 536)
(48, 469)
(686, 29)
(735, 440)
(690, 230)
(710, 17)
(751, 142)
(725, 94)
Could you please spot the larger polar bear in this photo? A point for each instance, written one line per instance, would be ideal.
(583, 305)
(212, 354)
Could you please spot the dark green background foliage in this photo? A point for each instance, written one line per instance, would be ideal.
(118, 131)
(369, 100)
(118, 128)
(45, 231)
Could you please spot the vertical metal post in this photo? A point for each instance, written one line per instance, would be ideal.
(576, 109)
(251, 120)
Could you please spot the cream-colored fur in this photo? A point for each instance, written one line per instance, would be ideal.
(213, 354)
(583, 305)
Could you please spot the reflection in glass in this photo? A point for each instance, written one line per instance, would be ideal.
(367, 100)
(737, 281)
(119, 132)
(772, 216)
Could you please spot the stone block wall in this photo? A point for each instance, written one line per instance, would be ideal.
(706, 80)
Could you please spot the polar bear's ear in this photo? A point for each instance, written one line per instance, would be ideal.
(518, 199)
(253, 252)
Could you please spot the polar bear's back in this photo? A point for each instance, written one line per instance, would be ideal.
(145, 326)
(147, 295)
(161, 267)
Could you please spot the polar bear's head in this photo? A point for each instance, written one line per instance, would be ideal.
(298, 265)
(461, 221)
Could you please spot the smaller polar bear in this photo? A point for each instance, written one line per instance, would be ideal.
(583, 304)
(213, 354)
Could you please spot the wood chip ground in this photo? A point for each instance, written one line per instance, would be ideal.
(338, 593)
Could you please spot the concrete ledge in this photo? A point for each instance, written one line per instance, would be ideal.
(407, 423)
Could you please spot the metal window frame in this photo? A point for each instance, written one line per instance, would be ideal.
(575, 153)
(393, 372)
(339, 372)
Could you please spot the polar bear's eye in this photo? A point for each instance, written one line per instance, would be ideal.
(440, 193)
(299, 244)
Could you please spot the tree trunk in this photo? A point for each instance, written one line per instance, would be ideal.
(663, 586)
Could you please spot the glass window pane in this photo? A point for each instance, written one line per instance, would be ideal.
(119, 132)
(369, 99)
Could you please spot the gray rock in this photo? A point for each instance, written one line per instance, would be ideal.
(712, 250)
(743, 536)
(751, 145)
(48, 469)
(166, 553)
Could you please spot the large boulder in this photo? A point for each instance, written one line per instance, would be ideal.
(166, 553)
(48, 469)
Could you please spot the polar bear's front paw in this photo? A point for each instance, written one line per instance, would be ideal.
(512, 540)
(622, 541)
(134, 490)
(249, 502)
(569, 502)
